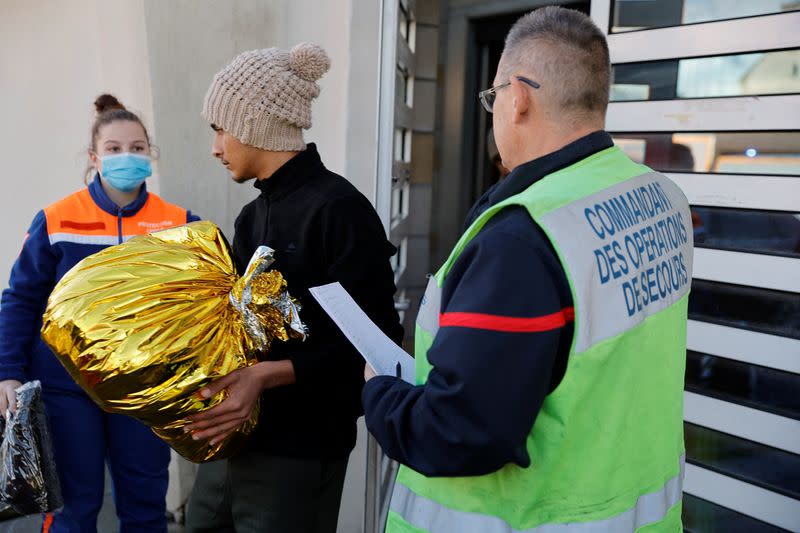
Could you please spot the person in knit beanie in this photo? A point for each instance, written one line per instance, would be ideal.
(263, 97)
(289, 477)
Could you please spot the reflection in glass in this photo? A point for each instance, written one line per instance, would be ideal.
(760, 73)
(702, 516)
(746, 460)
(763, 310)
(755, 152)
(755, 386)
(747, 230)
(630, 15)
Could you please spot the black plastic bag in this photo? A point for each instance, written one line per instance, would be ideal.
(28, 477)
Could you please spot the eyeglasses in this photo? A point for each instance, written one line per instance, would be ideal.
(487, 97)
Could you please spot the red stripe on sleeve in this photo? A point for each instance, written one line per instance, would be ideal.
(48, 521)
(508, 323)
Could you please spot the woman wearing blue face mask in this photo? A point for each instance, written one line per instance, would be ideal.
(112, 208)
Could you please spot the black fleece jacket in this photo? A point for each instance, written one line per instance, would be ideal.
(322, 230)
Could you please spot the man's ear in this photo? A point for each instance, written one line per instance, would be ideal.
(520, 99)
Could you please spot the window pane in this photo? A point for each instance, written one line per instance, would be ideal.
(755, 386)
(760, 73)
(701, 516)
(746, 460)
(773, 312)
(403, 23)
(747, 230)
(755, 152)
(400, 87)
(631, 15)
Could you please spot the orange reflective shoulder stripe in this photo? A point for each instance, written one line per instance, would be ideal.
(155, 215)
(78, 219)
(73, 207)
(164, 209)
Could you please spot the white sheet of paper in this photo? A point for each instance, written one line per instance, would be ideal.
(378, 350)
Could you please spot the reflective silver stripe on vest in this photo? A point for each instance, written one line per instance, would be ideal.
(101, 240)
(628, 249)
(430, 307)
(430, 516)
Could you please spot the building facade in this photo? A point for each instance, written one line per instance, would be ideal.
(707, 91)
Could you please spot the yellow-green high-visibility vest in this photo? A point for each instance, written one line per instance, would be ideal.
(607, 447)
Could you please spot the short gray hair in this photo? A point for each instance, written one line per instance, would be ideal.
(570, 55)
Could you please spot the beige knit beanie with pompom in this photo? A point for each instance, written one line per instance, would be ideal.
(263, 97)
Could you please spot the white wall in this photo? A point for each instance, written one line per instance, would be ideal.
(362, 96)
(159, 57)
(56, 57)
(189, 41)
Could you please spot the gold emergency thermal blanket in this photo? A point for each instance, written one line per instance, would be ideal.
(143, 326)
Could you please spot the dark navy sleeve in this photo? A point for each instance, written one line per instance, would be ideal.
(191, 217)
(23, 302)
(492, 368)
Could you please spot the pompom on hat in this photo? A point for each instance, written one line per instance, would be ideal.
(263, 97)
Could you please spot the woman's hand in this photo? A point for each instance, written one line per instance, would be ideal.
(8, 395)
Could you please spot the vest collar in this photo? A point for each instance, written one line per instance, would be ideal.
(105, 203)
(529, 173)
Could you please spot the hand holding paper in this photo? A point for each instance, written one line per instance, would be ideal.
(378, 350)
(369, 373)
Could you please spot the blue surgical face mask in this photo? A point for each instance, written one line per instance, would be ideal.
(125, 172)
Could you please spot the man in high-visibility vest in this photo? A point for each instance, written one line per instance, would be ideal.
(550, 346)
